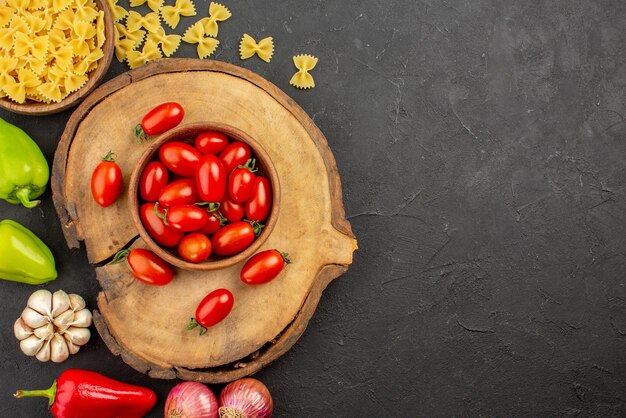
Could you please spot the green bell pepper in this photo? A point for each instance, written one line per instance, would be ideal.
(24, 257)
(24, 171)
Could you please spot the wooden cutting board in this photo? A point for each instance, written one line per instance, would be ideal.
(147, 325)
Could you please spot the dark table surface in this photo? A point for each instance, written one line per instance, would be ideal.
(482, 147)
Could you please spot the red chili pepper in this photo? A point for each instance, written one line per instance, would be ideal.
(82, 393)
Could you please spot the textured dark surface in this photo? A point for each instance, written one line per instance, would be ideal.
(482, 151)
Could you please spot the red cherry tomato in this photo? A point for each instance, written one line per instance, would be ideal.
(214, 307)
(179, 192)
(155, 227)
(241, 182)
(234, 155)
(263, 267)
(106, 181)
(260, 204)
(180, 158)
(211, 178)
(213, 224)
(149, 268)
(186, 218)
(233, 212)
(194, 247)
(160, 119)
(211, 142)
(233, 238)
(153, 179)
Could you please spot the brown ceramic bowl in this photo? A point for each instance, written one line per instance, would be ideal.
(187, 133)
(33, 108)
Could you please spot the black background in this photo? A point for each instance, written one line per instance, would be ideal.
(481, 146)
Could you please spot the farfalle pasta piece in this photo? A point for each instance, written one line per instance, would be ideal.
(51, 89)
(16, 89)
(19, 5)
(135, 21)
(85, 10)
(7, 66)
(302, 79)
(6, 13)
(35, 64)
(169, 43)
(118, 12)
(154, 5)
(87, 63)
(122, 46)
(45, 15)
(65, 20)
(36, 24)
(149, 52)
(248, 47)
(195, 35)
(57, 37)
(171, 14)
(217, 13)
(16, 25)
(28, 45)
(82, 32)
(135, 36)
(62, 56)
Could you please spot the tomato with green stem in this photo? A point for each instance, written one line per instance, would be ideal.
(160, 119)
(185, 218)
(107, 181)
(234, 155)
(211, 142)
(194, 247)
(242, 181)
(234, 238)
(213, 224)
(212, 310)
(152, 220)
(263, 267)
(233, 212)
(146, 266)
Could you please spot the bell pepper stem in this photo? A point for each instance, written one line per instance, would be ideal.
(23, 195)
(49, 393)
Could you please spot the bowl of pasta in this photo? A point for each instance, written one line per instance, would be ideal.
(54, 57)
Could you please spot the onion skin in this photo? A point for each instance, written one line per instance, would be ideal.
(191, 400)
(247, 398)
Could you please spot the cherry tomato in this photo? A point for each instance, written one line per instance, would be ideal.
(160, 119)
(149, 268)
(211, 142)
(263, 267)
(179, 192)
(233, 212)
(194, 247)
(186, 218)
(241, 182)
(260, 204)
(233, 238)
(234, 155)
(153, 179)
(214, 307)
(214, 223)
(211, 178)
(107, 181)
(155, 227)
(180, 158)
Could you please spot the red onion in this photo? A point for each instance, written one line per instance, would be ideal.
(191, 400)
(246, 398)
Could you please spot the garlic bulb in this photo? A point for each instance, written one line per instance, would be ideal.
(53, 326)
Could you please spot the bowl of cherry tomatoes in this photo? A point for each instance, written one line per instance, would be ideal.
(204, 196)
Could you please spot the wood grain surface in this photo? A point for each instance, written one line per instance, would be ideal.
(146, 325)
